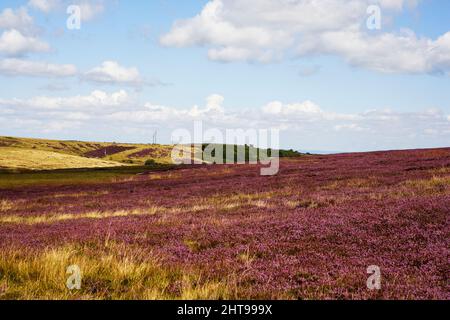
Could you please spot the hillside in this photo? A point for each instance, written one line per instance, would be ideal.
(40, 154)
(31, 159)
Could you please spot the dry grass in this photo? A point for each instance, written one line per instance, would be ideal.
(163, 154)
(17, 158)
(80, 148)
(442, 170)
(113, 272)
(360, 183)
(32, 220)
(435, 184)
(6, 205)
(77, 195)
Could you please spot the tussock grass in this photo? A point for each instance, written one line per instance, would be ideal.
(32, 220)
(435, 184)
(114, 272)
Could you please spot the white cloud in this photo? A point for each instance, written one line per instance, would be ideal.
(213, 111)
(266, 30)
(402, 52)
(397, 4)
(89, 9)
(304, 108)
(97, 101)
(309, 125)
(111, 72)
(45, 5)
(304, 118)
(214, 103)
(14, 43)
(19, 67)
(18, 19)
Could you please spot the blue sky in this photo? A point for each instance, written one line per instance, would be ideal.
(392, 97)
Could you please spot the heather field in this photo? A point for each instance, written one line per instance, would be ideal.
(225, 232)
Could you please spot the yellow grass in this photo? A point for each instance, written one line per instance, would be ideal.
(150, 210)
(441, 170)
(80, 148)
(435, 183)
(17, 158)
(109, 272)
(163, 154)
(6, 205)
(32, 220)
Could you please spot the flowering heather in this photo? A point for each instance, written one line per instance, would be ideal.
(224, 231)
(106, 151)
(151, 152)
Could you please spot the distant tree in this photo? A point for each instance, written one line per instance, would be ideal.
(150, 162)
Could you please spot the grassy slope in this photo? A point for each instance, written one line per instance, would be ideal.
(33, 159)
(41, 154)
(11, 159)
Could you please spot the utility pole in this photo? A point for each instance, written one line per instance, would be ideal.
(155, 136)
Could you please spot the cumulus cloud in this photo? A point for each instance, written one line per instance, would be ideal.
(111, 72)
(265, 30)
(151, 113)
(18, 19)
(19, 67)
(312, 125)
(97, 101)
(309, 125)
(402, 52)
(14, 43)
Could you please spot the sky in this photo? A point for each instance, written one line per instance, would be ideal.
(332, 75)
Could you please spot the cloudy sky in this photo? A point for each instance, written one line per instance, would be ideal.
(329, 74)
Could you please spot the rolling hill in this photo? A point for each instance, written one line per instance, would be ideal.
(41, 154)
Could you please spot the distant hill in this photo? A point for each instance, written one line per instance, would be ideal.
(42, 154)
(35, 154)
